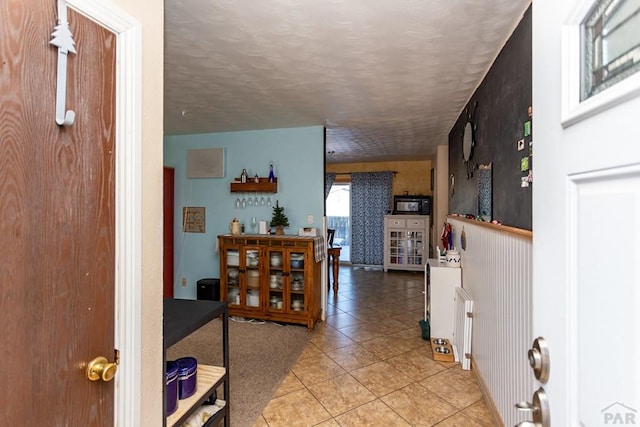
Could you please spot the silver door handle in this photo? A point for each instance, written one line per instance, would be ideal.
(539, 407)
(525, 407)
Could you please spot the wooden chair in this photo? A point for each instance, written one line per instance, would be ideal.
(330, 234)
(333, 253)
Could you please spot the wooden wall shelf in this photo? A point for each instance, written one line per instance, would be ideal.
(263, 186)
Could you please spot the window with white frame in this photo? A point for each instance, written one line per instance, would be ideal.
(611, 45)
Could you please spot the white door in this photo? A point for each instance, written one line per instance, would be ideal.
(586, 228)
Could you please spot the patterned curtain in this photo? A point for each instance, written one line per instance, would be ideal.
(329, 178)
(370, 201)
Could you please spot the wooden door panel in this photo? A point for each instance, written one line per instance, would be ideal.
(57, 209)
(168, 241)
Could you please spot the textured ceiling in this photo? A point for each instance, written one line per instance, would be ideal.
(388, 78)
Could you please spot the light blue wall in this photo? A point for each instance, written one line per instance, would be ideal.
(298, 157)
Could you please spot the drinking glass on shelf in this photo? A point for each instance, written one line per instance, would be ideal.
(268, 201)
(249, 201)
(238, 202)
(262, 201)
(244, 201)
(254, 224)
(256, 202)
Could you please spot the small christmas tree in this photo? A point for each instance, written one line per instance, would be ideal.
(279, 219)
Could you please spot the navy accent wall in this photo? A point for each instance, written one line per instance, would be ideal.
(503, 99)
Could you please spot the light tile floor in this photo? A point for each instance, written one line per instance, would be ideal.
(367, 365)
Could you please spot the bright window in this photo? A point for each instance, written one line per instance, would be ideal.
(339, 217)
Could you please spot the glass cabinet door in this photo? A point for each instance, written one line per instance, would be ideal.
(415, 246)
(252, 277)
(233, 276)
(297, 281)
(397, 247)
(276, 280)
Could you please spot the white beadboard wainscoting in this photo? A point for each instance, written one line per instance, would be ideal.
(497, 273)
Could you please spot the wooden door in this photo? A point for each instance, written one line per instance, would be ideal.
(167, 220)
(586, 224)
(57, 220)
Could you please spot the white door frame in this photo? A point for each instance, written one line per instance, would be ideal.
(128, 142)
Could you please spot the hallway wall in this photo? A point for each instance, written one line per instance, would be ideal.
(497, 273)
(502, 99)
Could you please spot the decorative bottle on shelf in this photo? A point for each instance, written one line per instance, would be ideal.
(272, 177)
(243, 176)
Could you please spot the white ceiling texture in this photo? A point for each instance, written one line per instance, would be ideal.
(387, 78)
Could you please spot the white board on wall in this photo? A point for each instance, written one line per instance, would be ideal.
(205, 163)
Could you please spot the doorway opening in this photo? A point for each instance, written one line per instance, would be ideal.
(339, 218)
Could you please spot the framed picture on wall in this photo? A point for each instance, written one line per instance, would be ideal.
(193, 219)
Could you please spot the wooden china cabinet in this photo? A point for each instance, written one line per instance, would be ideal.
(272, 277)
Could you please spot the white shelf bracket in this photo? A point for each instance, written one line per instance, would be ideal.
(63, 40)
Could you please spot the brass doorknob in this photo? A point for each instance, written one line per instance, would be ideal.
(101, 368)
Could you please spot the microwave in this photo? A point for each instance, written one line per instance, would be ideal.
(412, 205)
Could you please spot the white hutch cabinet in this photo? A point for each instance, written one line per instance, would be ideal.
(406, 242)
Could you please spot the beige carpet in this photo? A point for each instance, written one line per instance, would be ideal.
(260, 356)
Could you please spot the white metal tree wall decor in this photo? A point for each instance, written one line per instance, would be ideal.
(63, 40)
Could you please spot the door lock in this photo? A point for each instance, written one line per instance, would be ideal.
(539, 407)
(539, 359)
